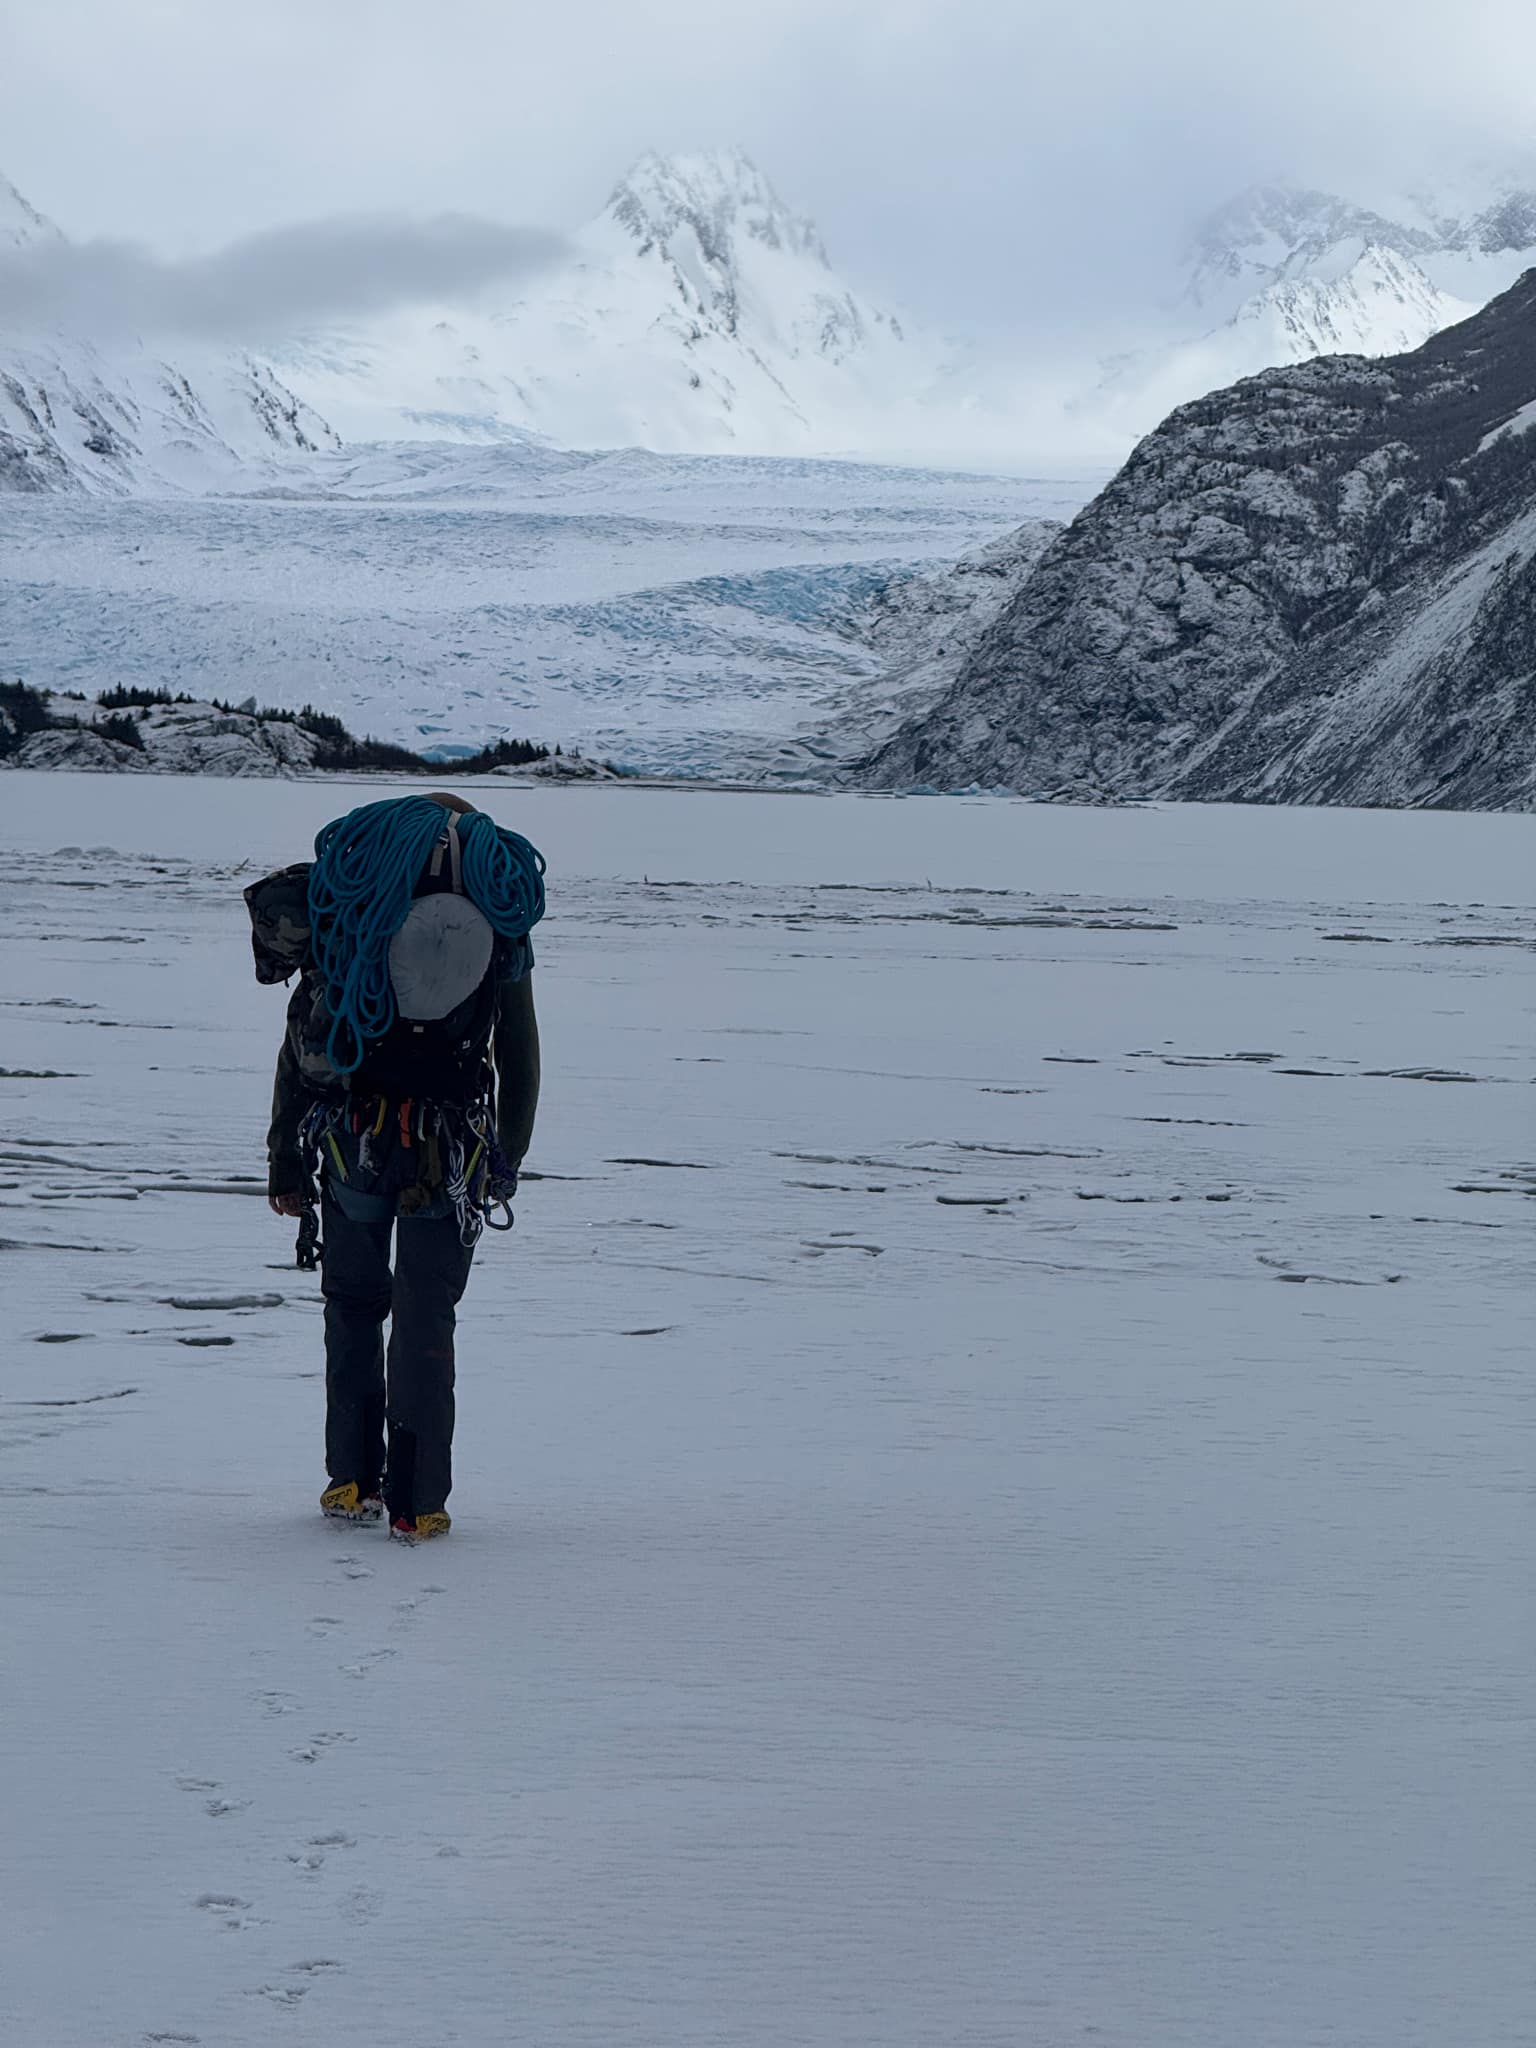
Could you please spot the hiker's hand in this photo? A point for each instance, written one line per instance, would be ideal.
(503, 1187)
(286, 1205)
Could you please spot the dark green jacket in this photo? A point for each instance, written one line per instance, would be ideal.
(303, 1078)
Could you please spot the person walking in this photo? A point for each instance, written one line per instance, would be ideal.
(404, 1103)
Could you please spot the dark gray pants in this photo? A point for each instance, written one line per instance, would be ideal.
(414, 1395)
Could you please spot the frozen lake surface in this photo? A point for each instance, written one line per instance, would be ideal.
(993, 1494)
(676, 613)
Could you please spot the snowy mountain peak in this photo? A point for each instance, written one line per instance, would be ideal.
(718, 195)
(1380, 304)
(1284, 272)
(1269, 233)
(20, 222)
(696, 312)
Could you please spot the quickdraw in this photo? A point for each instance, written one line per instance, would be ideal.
(317, 1128)
(470, 1173)
(473, 1162)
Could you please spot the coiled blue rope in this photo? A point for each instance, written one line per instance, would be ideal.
(364, 876)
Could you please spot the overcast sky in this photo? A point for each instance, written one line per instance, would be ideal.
(959, 155)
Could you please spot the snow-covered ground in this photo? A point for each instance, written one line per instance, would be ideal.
(993, 1483)
(682, 615)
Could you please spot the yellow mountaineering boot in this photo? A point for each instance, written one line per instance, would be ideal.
(420, 1528)
(346, 1502)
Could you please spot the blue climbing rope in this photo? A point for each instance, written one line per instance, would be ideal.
(364, 876)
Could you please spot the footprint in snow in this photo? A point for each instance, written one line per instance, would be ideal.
(231, 1911)
(366, 1665)
(404, 1609)
(292, 1994)
(362, 1904)
(311, 1859)
(215, 1805)
(311, 1752)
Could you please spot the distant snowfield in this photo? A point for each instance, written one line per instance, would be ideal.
(681, 615)
(993, 1475)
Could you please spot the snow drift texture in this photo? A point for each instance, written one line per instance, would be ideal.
(1317, 587)
(993, 1475)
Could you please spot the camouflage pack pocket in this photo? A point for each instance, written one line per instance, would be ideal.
(280, 935)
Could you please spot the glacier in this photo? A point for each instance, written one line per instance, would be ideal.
(678, 615)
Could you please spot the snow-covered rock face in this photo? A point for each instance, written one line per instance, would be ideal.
(117, 417)
(920, 626)
(1316, 587)
(21, 224)
(739, 259)
(697, 313)
(125, 421)
(1273, 234)
(715, 198)
(1283, 273)
(172, 739)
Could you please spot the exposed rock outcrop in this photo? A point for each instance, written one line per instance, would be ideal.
(1318, 586)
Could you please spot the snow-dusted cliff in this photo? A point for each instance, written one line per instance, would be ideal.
(1318, 586)
(81, 413)
(20, 222)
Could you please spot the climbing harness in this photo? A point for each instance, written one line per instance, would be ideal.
(472, 1162)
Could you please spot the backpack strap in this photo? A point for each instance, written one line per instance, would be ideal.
(450, 844)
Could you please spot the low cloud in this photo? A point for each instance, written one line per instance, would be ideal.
(269, 284)
(1029, 166)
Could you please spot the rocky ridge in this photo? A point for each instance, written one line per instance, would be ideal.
(1318, 586)
(156, 733)
(920, 625)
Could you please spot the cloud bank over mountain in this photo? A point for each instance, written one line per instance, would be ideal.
(265, 284)
(959, 153)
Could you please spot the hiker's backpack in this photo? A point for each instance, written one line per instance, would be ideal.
(441, 968)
